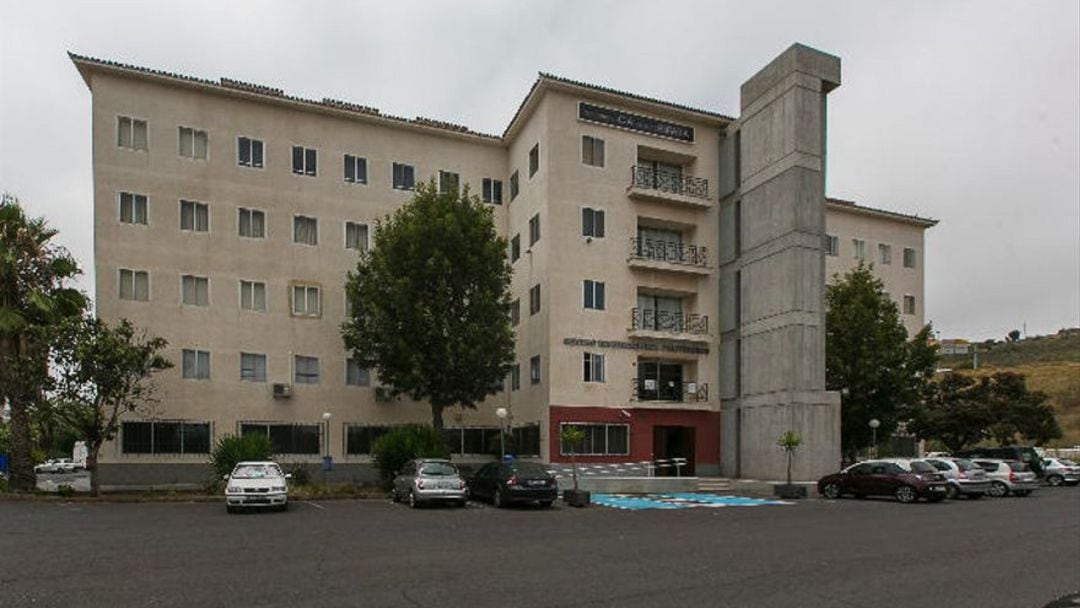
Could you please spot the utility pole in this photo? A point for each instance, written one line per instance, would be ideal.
(974, 356)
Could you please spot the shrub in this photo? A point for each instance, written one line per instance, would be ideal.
(300, 474)
(401, 444)
(232, 449)
(65, 491)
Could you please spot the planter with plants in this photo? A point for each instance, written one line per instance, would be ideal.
(572, 436)
(789, 442)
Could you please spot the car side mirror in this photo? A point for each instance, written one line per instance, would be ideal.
(225, 478)
(288, 475)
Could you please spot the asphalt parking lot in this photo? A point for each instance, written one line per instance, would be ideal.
(1003, 552)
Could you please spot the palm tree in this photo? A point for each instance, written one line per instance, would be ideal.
(33, 299)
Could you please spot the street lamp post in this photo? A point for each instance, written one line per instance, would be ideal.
(326, 439)
(874, 424)
(502, 413)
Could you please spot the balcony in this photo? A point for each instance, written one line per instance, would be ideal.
(667, 325)
(649, 183)
(670, 255)
(652, 389)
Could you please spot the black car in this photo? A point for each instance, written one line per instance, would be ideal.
(505, 483)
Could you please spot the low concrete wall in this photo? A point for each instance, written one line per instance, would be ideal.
(632, 485)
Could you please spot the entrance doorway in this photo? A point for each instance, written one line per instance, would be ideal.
(674, 442)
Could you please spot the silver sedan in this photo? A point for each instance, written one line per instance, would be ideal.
(429, 480)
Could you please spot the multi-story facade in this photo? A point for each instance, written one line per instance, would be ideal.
(227, 215)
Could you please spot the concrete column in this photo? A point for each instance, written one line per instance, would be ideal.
(781, 266)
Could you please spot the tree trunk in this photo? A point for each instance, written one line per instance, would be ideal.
(789, 467)
(436, 417)
(573, 465)
(22, 477)
(92, 468)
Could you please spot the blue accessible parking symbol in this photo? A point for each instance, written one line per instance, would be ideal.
(683, 500)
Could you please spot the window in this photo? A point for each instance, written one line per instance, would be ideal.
(131, 133)
(534, 299)
(513, 186)
(355, 169)
(252, 223)
(832, 245)
(193, 143)
(592, 151)
(515, 248)
(527, 440)
(252, 367)
(534, 160)
(356, 375)
(162, 437)
(194, 291)
(599, 440)
(404, 177)
(305, 161)
(253, 296)
(909, 305)
(884, 254)
(359, 439)
(594, 295)
(249, 152)
(305, 230)
(134, 285)
(133, 208)
(492, 191)
(515, 312)
(534, 370)
(307, 370)
(448, 182)
(475, 440)
(860, 249)
(195, 364)
(356, 236)
(515, 377)
(305, 301)
(909, 257)
(592, 223)
(287, 438)
(194, 216)
(593, 368)
(534, 229)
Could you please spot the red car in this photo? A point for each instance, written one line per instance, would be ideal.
(907, 480)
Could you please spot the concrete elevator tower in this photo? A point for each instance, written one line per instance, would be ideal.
(772, 304)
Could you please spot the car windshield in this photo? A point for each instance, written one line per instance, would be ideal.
(966, 465)
(527, 468)
(1067, 463)
(918, 466)
(438, 469)
(939, 465)
(256, 471)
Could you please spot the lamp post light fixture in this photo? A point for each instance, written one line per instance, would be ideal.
(501, 413)
(874, 424)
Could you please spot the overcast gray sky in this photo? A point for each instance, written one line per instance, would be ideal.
(962, 111)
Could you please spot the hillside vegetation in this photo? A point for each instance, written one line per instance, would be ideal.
(1051, 365)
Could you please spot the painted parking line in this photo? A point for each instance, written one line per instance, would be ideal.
(678, 501)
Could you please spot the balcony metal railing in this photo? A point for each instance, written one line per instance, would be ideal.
(668, 251)
(667, 321)
(651, 389)
(645, 176)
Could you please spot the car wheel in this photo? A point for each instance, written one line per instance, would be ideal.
(412, 500)
(831, 491)
(952, 492)
(497, 499)
(1055, 480)
(545, 504)
(998, 489)
(906, 494)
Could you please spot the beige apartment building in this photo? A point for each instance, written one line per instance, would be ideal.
(668, 266)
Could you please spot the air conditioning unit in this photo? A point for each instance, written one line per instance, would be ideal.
(282, 391)
(383, 394)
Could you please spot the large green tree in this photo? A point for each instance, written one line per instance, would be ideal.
(430, 299)
(869, 358)
(1019, 412)
(955, 411)
(34, 299)
(102, 372)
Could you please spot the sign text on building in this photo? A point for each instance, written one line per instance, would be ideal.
(671, 348)
(635, 122)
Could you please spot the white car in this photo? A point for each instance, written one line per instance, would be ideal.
(1060, 470)
(1008, 477)
(257, 484)
(57, 465)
